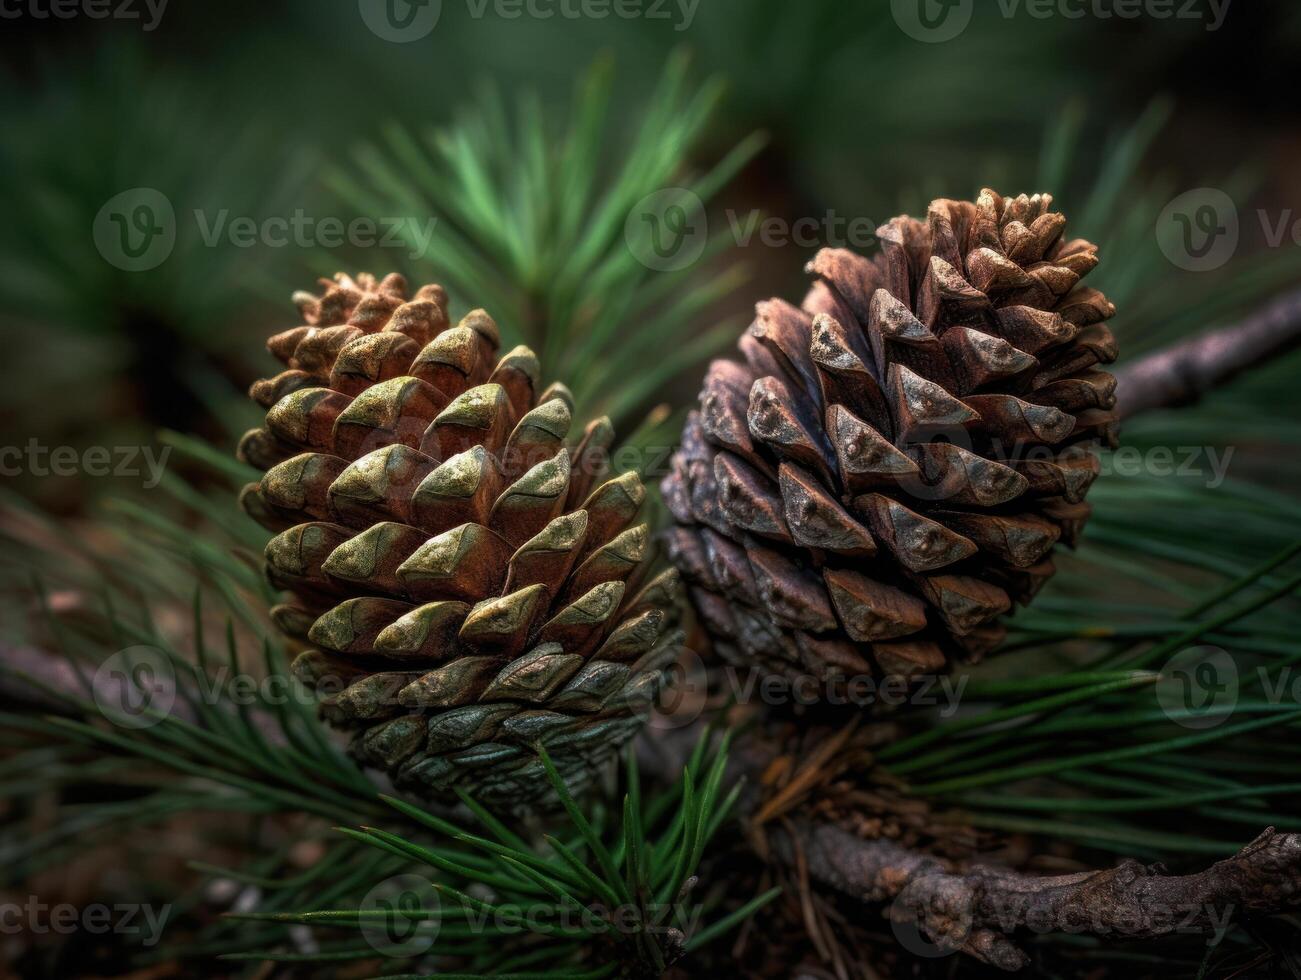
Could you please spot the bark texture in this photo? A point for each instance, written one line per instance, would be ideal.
(1188, 371)
(940, 902)
(978, 909)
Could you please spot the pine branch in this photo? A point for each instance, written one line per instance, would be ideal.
(549, 226)
(1185, 372)
(50, 671)
(644, 866)
(977, 909)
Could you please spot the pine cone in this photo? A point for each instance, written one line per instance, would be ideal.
(469, 585)
(892, 464)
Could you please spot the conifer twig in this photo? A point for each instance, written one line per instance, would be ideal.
(977, 909)
(949, 906)
(1185, 372)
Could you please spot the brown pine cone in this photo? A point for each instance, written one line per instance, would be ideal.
(470, 586)
(891, 465)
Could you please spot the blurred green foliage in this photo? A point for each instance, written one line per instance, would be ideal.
(261, 113)
(258, 112)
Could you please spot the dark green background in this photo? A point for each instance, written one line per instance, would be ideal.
(246, 106)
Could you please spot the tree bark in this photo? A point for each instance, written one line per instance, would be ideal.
(1187, 371)
(937, 908)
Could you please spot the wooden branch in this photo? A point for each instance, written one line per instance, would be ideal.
(979, 909)
(939, 906)
(1183, 373)
(48, 670)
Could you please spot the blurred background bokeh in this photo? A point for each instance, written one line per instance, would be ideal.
(252, 110)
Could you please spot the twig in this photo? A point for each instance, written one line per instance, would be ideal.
(1183, 373)
(978, 909)
(56, 673)
(938, 905)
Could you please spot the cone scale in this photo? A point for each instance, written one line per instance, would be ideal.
(467, 579)
(888, 468)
